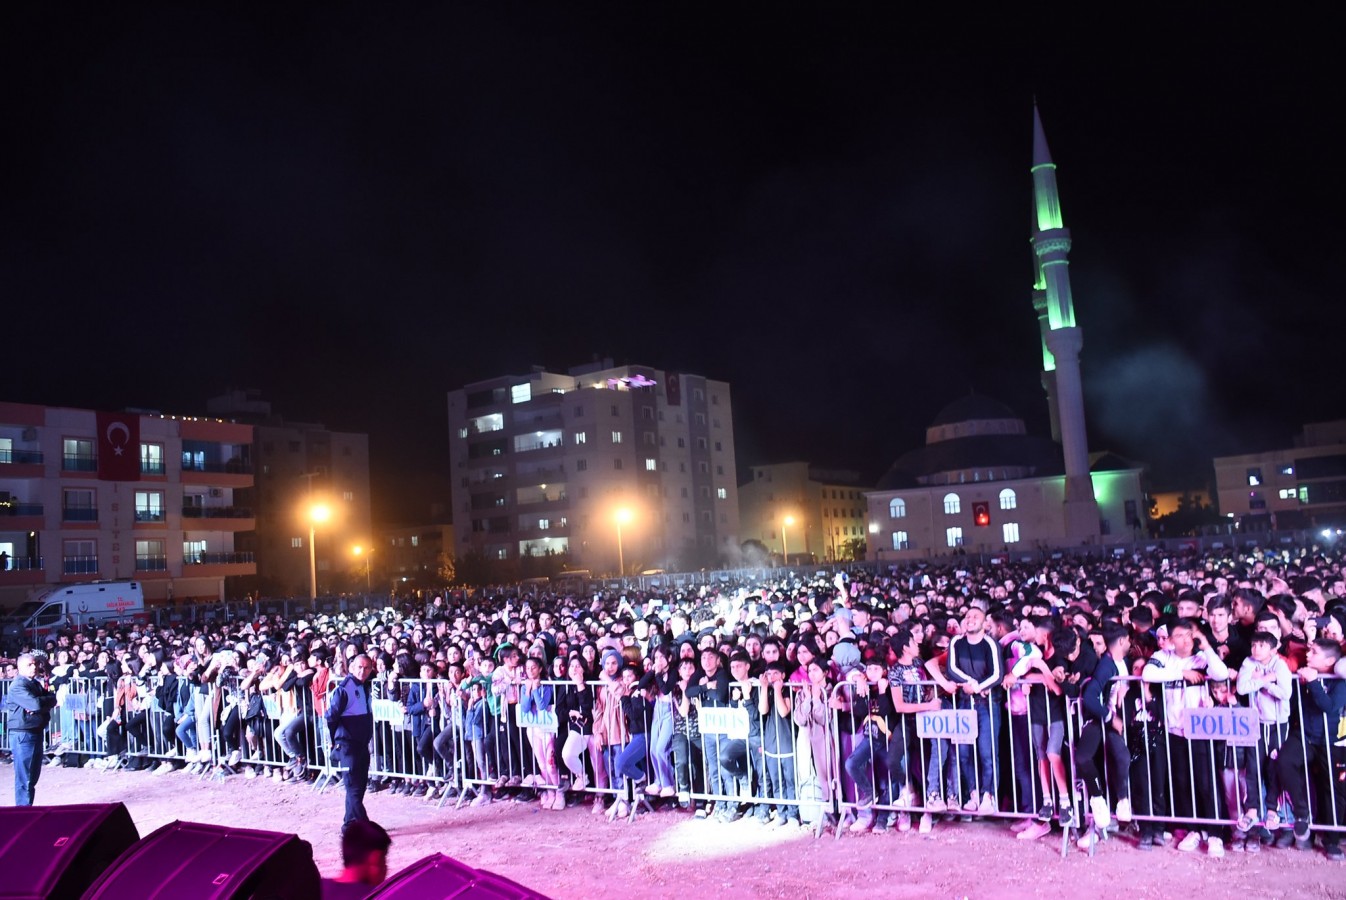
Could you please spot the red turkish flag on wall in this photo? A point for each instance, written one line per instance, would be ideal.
(673, 389)
(118, 447)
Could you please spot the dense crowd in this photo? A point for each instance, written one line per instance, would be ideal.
(758, 701)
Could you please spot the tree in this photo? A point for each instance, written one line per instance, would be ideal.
(853, 549)
(446, 567)
(1189, 518)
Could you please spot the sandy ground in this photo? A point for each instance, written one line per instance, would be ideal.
(574, 853)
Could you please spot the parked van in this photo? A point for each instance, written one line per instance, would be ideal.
(72, 606)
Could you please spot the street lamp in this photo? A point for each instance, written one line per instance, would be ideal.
(317, 513)
(361, 551)
(622, 516)
(784, 541)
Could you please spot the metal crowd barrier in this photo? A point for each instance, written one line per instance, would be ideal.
(844, 754)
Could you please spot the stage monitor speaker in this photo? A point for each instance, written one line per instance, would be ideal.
(57, 851)
(192, 861)
(439, 877)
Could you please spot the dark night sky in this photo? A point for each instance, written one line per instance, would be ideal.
(358, 210)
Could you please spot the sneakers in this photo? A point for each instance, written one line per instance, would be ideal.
(483, 799)
(926, 824)
(1334, 852)
(1303, 840)
(1272, 821)
(904, 799)
(971, 805)
(1035, 830)
(1146, 841)
(235, 758)
(163, 768)
(988, 806)
(904, 821)
(1087, 842)
(1253, 844)
(863, 821)
(934, 803)
(667, 792)
(1214, 847)
(1190, 842)
(1066, 816)
(1099, 807)
(1124, 810)
(1045, 813)
(1020, 826)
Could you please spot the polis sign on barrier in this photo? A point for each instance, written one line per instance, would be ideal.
(956, 725)
(1235, 725)
(730, 721)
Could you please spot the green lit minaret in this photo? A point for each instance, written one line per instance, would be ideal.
(1061, 341)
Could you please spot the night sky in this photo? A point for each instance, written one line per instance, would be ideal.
(358, 210)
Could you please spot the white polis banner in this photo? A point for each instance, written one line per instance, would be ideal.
(542, 719)
(956, 725)
(1235, 725)
(730, 721)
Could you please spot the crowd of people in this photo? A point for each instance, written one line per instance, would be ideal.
(783, 700)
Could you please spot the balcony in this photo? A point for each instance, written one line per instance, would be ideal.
(79, 565)
(220, 559)
(73, 463)
(151, 563)
(12, 508)
(21, 457)
(235, 473)
(79, 514)
(216, 512)
(219, 565)
(22, 570)
(153, 467)
(150, 516)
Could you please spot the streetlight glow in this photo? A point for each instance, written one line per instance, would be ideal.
(784, 541)
(317, 513)
(359, 551)
(622, 516)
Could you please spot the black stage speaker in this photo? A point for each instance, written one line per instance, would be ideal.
(191, 861)
(57, 851)
(438, 877)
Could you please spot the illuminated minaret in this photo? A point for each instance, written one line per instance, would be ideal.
(1061, 341)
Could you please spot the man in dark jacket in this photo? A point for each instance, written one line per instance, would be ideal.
(1305, 760)
(27, 711)
(350, 721)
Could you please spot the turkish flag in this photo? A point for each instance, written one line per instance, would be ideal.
(673, 389)
(118, 446)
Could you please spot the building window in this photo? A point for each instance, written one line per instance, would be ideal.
(722, 493)
(682, 442)
(953, 506)
(1010, 531)
(580, 437)
(954, 536)
(897, 508)
(701, 418)
(1288, 469)
(521, 393)
(296, 543)
(150, 556)
(415, 540)
(1254, 477)
(900, 540)
(617, 464)
(616, 437)
(1288, 494)
(193, 552)
(581, 465)
(1008, 499)
(651, 465)
(149, 506)
(79, 557)
(77, 456)
(152, 459)
(348, 496)
(647, 413)
(78, 505)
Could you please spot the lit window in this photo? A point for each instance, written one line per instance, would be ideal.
(954, 535)
(580, 437)
(521, 393)
(348, 496)
(1288, 493)
(152, 459)
(415, 540)
(952, 506)
(897, 508)
(1254, 477)
(722, 493)
(1008, 499)
(900, 540)
(1011, 532)
(297, 543)
(616, 437)
(151, 556)
(651, 465)
(1288, 470)
(149, 506)
(543, 524)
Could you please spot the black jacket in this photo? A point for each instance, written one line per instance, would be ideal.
(28, 705)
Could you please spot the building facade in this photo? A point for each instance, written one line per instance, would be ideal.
(409, 557)
(1303, 486)
(807, 511)
(88, 495)
(608, 467)
(299, 466)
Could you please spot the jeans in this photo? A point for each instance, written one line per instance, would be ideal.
(631, 761)
(186, 732)
(355, 756)
(661, 744)
(26, 747)
(869, 779)
(988, 739)
(686, 764)
(778, 783)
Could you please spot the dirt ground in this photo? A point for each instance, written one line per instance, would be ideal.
(576, 854)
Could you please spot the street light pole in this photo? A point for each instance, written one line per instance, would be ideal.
(317, 513)
(361, 551)
(622, 515)
(784, 541)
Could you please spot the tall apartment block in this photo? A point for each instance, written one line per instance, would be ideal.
(611, 466)
(87, 495)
